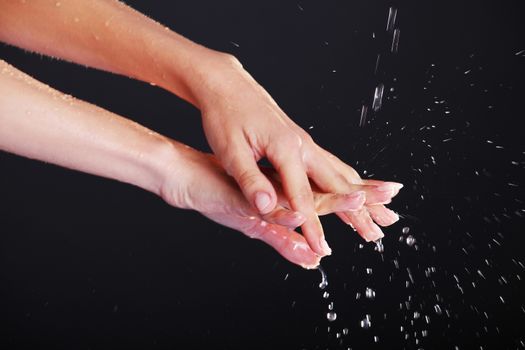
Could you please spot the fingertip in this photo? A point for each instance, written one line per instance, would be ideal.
(374, 234)
(324, 246)
(314, 235)
(263, 202)
(285, 217)
(358, 199)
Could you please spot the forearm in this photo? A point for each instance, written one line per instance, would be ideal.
(108, 35)
(41, 123)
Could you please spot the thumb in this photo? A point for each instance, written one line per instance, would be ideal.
(256, 187)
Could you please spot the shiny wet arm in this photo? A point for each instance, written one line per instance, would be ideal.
(109, 35)
(39, 122)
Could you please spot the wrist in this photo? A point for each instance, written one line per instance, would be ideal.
(200, 74)
(174, 163)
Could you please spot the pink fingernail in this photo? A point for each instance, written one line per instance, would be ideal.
(394, 216)
(324, 246)
(262, 201)
(358, 200)
(397, 185)
(375, 234)
(386, 187)
(356, 194)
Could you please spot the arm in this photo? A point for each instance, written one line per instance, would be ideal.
(39, 122)
(108, 35)
(242, 122)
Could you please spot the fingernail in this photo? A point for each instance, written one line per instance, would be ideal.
(262, 201)
(356, 194)
(324, 246)
(386, 187)
(375, 234)
(310, 267)
(395, 217)
(397, 186)
(358, 199)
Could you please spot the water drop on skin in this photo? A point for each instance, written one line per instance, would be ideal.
(331, 316)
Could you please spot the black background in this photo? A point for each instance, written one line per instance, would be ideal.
(89, 263)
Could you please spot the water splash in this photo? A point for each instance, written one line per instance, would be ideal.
(395, 41)
(324, 278)
(391, 22)
(378, 97)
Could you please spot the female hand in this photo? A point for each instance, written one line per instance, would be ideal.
(243, 124)
(197, 181)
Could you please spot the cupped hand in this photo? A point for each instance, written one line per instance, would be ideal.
(243, 125)
(197, 181)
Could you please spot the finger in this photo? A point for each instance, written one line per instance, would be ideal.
(331, 182)
(382, 215)
(344, 169)
(255, 186)
(284, 217)
(396, 185)
(328, 203)
(330, 179)
(299, 193)
(364, 225)
(290, 244)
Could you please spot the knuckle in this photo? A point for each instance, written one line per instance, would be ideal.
(247, 178)
(302, 201)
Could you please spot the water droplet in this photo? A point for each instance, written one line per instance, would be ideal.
(331, 305)
(378, 97)
(437, 309)
(410, 240)
(362, 119)
(370, 293)
(405, 230)
(368, 270)
(331, 316)
(324, 279)
(379, 246)
(326, 295)
(392, 14)
(395, 41)
(58, 4)
(366, 323)
(345, 331)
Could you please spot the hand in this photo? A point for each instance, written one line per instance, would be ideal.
(199, 182)
(243, 124)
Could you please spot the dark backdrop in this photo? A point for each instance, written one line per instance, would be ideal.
(89, 263)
